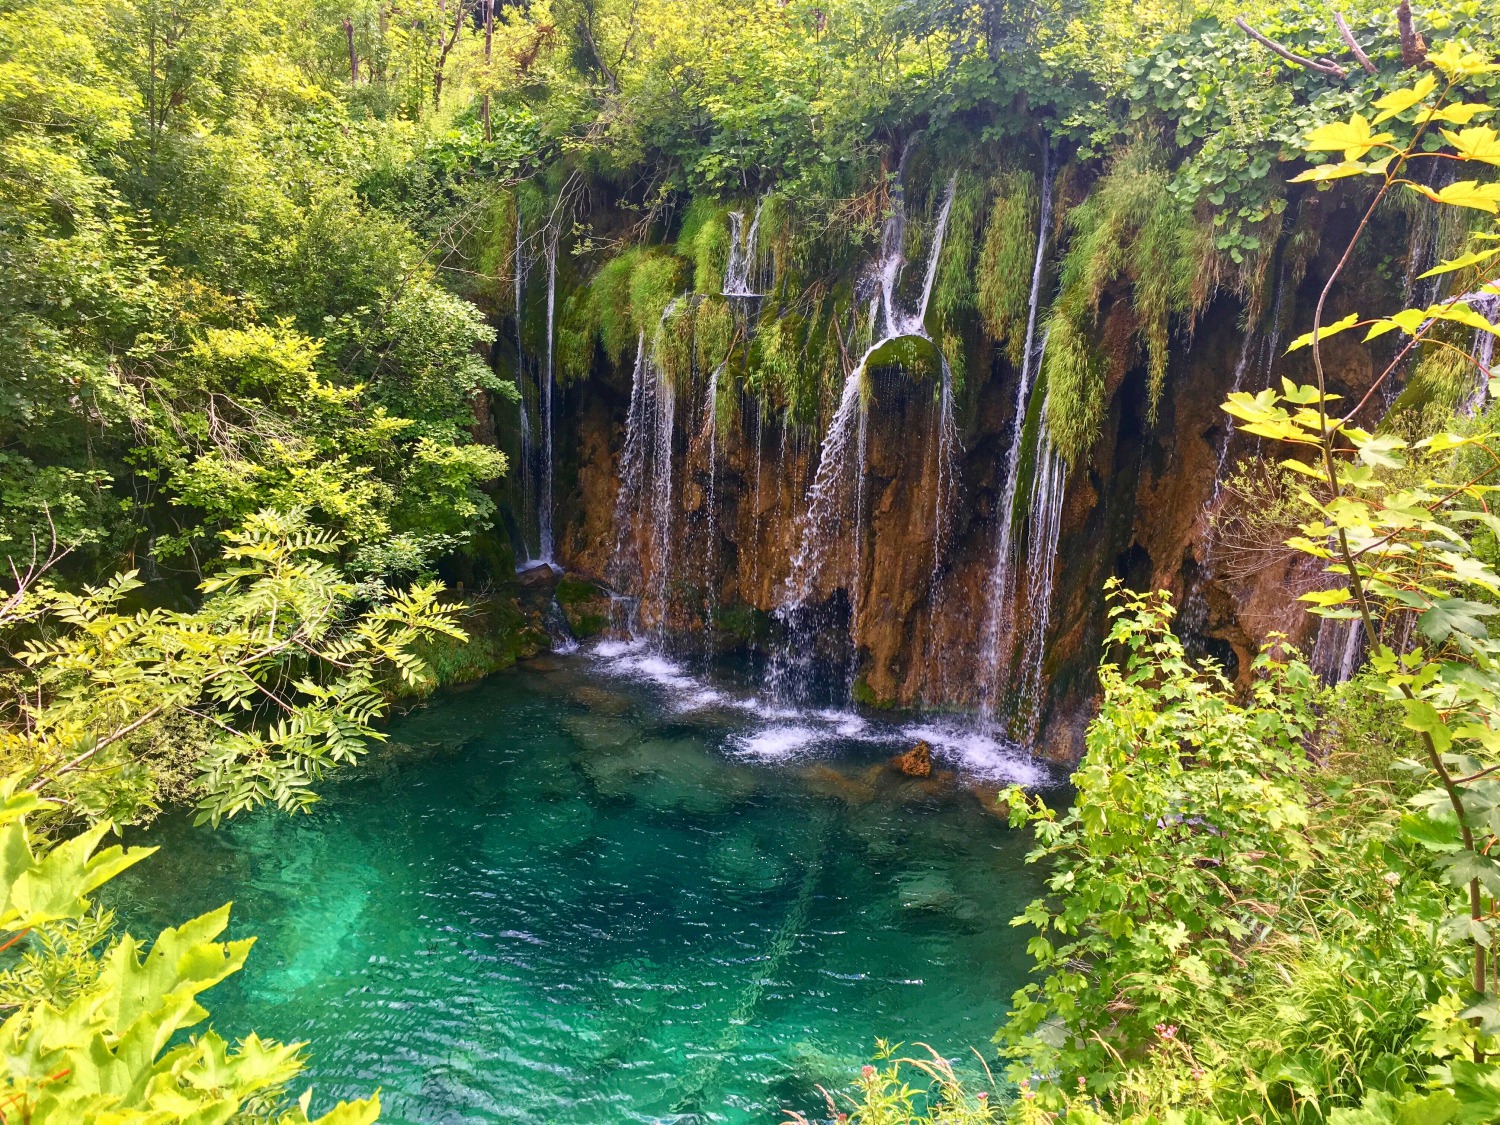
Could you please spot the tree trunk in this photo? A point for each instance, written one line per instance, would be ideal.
(489, 40)
(353, 55)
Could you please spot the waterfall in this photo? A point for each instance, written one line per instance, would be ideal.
(1047, 489)
(625, 566)
(1337, 649)
(1271, 341)
(741, 276)
(711, 503)
(544, 505)
(822, 523)
(1486, 305)
(664, 429)
(999, 621)
(1237, 383)
(526, 475)
(948, 448)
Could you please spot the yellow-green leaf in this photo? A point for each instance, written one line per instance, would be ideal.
(1455, 62)
(1323, 333)
(1479, 143)
(1399, 101)
(1465, 193)
(1473, 258)
(1339, 171)
(1459, 113)
(1354, 138)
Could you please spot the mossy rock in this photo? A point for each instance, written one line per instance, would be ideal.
(866, 696)
(917, 356)
(744, 623)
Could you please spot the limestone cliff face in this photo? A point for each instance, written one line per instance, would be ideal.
(1140, 507)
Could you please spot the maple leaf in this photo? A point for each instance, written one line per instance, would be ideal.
(1465, 193)
(1353, 137)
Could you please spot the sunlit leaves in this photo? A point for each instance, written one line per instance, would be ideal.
(1354, 138)
(282, 671)
(1456, 62)
(118, 1049)
(1464, 193)
(1307, 338)
(1463, 261)
(1480, 143)
(1399, 101)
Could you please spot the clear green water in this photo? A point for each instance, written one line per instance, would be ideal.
(568, 895)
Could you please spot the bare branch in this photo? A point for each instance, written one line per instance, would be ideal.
(1353, 44)
(1322, 66)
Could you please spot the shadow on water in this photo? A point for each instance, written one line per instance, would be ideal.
(597, 890)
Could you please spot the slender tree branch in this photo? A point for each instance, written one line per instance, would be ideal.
(1322, 66)
(1353, 44)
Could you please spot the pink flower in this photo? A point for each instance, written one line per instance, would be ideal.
(1167, 1030)
(867, 1072)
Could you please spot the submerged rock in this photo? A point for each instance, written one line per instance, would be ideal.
(669, 774)
(916, 762)
(933, 892)
(988, 796)
(600, 732)
(824, 780)
(747, 865)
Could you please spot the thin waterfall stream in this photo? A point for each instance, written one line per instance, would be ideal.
(998, 636)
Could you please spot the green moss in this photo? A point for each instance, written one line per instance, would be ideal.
(1003, 289)
(498, 636)
(576, 332)
(704, 241)
(494, 254)
(866, 696)
(955, 290)
(743, 622)
(610, 306)
(571, 590)
(1130, 229)
(1074, 371)
(672, 344)
(714, 331)
(655, 280)
(917, 357)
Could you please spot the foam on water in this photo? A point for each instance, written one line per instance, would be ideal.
(973, 752)
(785, 733)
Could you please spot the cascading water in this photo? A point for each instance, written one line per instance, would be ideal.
(548, 379)
(625, 571)
(664, 429)
(998, 636)
(823, 522)
(742, 272)
(1047, 489)
(527, 469)
(1237, 384)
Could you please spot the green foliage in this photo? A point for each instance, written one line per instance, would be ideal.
(281, 663)
(1005, 262)
(1189, 809)
(1129, 230)
(112, 1044)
